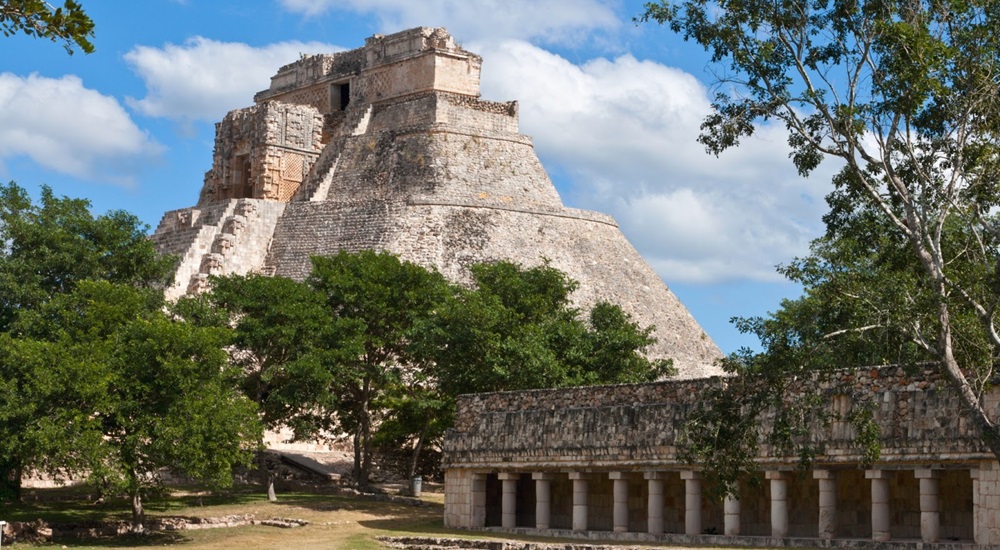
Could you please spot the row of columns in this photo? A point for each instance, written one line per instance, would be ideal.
(930, 524)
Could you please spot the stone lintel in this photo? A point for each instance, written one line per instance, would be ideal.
(926, 473)
(505, 476)
(690, 474)
(543, 476)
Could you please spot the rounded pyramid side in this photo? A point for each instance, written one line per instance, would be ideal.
(587, 246)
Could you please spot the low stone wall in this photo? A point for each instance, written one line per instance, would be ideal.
(639, 425)
(605, 463)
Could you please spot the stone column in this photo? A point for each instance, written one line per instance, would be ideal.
(620, 513)
(779, 504)
(543, 499)
(827, 503)
(731, 516)
(977, 503)
(478, 500)
(654, 505)
(580, 488)
(508, 501)
(881, 530)
(692, 502)
(930, 504)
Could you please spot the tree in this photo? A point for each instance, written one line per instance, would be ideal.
(905, 95)
(130, 388)
(282, 335)
(69, 24)
(379, 348)
(380, 300)
(46, 249)
(516, 329)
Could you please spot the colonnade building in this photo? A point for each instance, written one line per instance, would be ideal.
(605, 463)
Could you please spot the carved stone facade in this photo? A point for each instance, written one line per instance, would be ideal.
(604, 463)
(389, 147)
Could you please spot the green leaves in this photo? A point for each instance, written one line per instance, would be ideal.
(68, 24)
(905, 95)
(46, 248)
(517, 330)
(379, 347)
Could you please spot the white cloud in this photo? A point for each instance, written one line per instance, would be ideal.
(203, 79)
(625, 131)
(66, 127)
(551, 21)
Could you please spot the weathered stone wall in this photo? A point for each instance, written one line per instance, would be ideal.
(637, 426)
(307, 80)
(263, 152)
(223, 238)
(630, 432)
(450, 238)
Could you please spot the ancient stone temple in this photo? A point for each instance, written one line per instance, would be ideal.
(389, 147)
(605, 463)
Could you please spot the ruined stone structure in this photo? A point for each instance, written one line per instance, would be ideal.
(603, 464)
(389, 147)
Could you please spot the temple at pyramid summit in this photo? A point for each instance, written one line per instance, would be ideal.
(390, 147)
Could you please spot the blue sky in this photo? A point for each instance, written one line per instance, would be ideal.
(614, 110)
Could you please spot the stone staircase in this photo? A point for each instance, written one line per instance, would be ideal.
(220, 239)
(317, 183)
(190, 234)
(239, 244)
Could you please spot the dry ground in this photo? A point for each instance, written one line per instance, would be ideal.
(335, 522)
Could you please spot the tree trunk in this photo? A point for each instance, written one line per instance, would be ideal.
(987, 429)
(270, 474)
(366, 451)
(271, 495)
(357, 457)
(415, 459)
(138, 514)
(10, 481)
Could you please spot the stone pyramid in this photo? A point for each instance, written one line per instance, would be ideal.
(389, 147)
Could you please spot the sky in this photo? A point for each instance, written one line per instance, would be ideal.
(613, 107)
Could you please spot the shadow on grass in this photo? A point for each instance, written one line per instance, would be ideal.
(122, 541)
(353, 503)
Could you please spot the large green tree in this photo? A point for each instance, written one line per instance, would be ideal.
(379, 348)
(68, 24)
(381, 301)
(285, 338)
(904, 94)
(109, 383)
(46, 248)
(517, 329)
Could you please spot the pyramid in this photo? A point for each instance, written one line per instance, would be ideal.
(389, 147)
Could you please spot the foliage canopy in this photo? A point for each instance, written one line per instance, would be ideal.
(68, 24)
(904, 94)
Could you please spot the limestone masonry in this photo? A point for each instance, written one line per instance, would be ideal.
(603, 463)
(389, 147)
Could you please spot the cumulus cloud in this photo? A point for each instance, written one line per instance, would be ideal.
(624, 130)
(551, 21)
(66, 127)
(203, 79)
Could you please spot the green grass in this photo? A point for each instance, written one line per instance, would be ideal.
(335, 521)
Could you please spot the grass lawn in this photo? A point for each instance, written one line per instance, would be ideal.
(335, 521)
